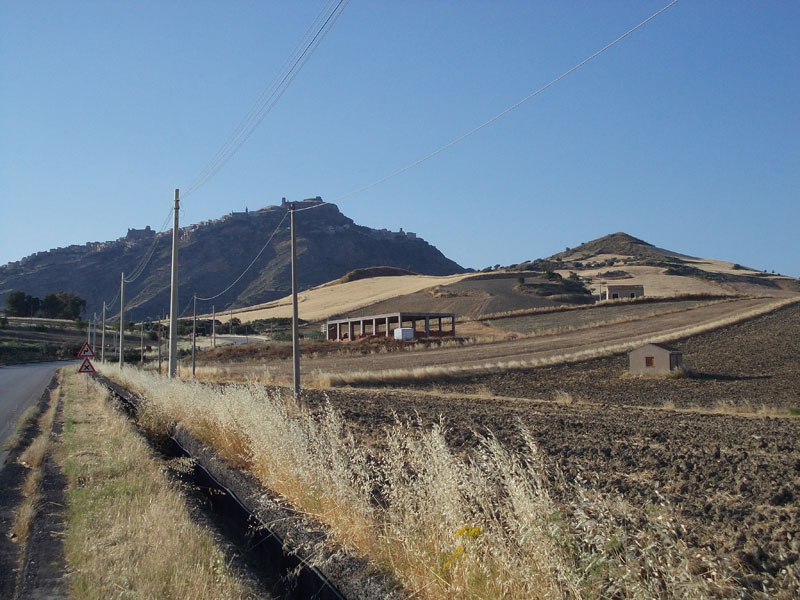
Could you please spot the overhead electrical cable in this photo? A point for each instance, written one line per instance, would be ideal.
(270, 96)
(260, 252)
(291, 67)
(506, 111)
(185, 310)
(139, 269)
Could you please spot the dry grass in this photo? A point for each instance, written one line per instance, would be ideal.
(129, 534)
(476, 525)
(25, 419)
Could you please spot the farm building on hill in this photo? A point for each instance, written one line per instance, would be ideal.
(616, 292)
(383, 325)
(654, 359)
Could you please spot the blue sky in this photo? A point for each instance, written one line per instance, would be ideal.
(686, 134)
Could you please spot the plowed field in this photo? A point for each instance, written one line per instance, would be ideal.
(732, 480)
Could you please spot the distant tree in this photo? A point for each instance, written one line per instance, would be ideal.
(52, 306)
(74, 306)
(63, 305)
(15, 303)
(21, 304)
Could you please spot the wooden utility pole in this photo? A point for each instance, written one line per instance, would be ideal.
(103, 337)
(122, 322)
(213, 327)
(194, 336)
(141, 344)
(295, 332)
(173, 297)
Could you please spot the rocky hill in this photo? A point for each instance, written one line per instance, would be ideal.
(213, 253)
(617, 243)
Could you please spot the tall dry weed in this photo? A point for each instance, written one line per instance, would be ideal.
(480, 524)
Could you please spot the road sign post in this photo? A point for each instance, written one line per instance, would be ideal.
(87, 367)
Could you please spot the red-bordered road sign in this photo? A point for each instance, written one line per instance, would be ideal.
(86, 351)
(86, 367)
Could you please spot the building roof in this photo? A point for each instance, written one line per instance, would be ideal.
(664, 347)
(405, 316)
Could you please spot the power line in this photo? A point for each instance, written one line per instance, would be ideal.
(187, 308)
(260, 252)
(270, 96)
(273, 93)
(139, 269)
(507, 110)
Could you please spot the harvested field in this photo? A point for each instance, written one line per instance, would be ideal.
(747, 366)
(574, 319)
(518, 353)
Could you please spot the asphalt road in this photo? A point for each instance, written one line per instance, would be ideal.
(20, 387)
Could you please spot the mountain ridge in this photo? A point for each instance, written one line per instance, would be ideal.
(214, 253)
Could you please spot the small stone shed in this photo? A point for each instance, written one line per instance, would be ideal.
(654, 359)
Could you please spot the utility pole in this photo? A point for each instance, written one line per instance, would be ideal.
(141, 343)
(213, 327)
(173, 300)
(194, 335)
(122, 322)
(231, 322)
(160, 331)
(103, 337)
(295, 332)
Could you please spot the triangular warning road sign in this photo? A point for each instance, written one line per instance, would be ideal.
(86, 351)
(86, 367)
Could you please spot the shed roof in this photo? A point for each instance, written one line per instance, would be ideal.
(664, 347)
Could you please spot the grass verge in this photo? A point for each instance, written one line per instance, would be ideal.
(129, 533)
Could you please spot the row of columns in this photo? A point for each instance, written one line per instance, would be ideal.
(350, 327)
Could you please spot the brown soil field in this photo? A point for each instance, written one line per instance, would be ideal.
(731, 481)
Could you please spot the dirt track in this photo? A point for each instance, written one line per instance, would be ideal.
(528, 349)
